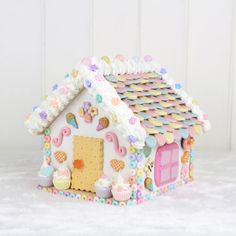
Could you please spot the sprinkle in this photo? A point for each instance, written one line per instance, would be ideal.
(64, 89)
(163, 71)
(93, 68)
(205, 117)
(132, 120)
(86, 106)
(115, 101)
(87, 83)
(98, 98)
(34, 108)
(54, 87)
(120, 57)
(131, 138)
(106, 59)
(67, 76)
(43, 115)
(86, 62)
(148, 58)
(178, 86)
(99, 78)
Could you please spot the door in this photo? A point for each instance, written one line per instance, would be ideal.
(87, 162)
(166, 167)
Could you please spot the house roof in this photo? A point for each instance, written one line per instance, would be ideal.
(145, 105)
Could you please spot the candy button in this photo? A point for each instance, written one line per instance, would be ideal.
(132, 157)
(132, 171)
(133, 195)
(87, 83)
(47, 139)
(131, 149)
(102, 200)
(139, 180)
(169, 137)
(122, 204)
(139, 194)
(47, 145)
(109, 201)
(47, 152)
(133, 164)
(139, 172)
(132, 179)
(151, 141)
(115, 203)
(139, 157)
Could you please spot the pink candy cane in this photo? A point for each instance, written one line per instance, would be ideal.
(57, 141)
(111, 137)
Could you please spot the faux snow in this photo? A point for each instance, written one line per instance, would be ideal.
(206, 206)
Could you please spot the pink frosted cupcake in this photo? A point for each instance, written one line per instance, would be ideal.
(121, 190)
(103, 187)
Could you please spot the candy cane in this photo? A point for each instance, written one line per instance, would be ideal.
(111, 137)
(57, 141)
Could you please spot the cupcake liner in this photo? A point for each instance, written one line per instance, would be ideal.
(104, 192)
(121, 195)
(45, 181)
(61, 184)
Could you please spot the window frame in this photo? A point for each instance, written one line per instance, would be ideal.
(158, 167)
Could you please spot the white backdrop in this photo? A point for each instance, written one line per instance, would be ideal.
(41, 40)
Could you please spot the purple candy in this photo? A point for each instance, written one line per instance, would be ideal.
(86, 106)
(43, 115)
(132, 139)
(93, 67)
(87, 83)
(139, 157)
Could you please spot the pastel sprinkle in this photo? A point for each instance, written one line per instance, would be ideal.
(98, 98)
(43, 115)
(148, 58)
(163, 71)
(54, 87)
(131, 138)
(132, 120)
(87, 83)
(86, 61)
(93, 68)
(178, 86)
(106, 59)
(99, 78)
(120, 57)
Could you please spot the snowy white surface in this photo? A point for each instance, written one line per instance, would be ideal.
(205, 207)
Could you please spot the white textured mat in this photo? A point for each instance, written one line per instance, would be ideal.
(205, 207)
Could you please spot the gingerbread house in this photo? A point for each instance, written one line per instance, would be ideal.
(117, 131)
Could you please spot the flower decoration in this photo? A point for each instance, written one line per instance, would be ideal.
(99, 78)
(87, 83)
(43, 115)
(132, 120)
(93, 68)
(93, 111)
(87, 111)
(147, 58)
(132, 139)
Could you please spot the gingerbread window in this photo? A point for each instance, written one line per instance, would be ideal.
(166, 164)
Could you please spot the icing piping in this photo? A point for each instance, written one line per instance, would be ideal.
(57, 141)
(111, 137)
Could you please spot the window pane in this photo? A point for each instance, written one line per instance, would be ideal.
(174, 172)
(165, 157)
(165, 175)
(175, 155)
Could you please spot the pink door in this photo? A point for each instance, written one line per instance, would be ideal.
(166, 164)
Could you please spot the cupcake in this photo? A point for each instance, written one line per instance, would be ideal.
(62, 178)
(121, 190)
(103, 187)
(45, 175)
